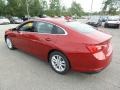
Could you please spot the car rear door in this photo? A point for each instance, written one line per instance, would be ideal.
(42, 40)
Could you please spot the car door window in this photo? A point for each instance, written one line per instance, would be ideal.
(28, 27)
(43, 27)
(57, 30)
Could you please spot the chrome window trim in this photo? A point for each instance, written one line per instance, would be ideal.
(66, 33)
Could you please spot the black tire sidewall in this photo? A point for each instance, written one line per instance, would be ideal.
(106, 25)
(65, 59)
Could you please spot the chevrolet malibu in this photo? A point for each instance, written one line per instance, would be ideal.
(65, 45)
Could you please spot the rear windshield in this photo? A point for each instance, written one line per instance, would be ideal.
(80, 27)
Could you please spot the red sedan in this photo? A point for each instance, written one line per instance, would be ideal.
(65, 45)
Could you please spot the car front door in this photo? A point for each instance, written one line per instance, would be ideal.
(23, 36)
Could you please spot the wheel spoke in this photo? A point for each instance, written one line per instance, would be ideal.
(63, 65)
(61, 68)
(54, 59)
(59, 57)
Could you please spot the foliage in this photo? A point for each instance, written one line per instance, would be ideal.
(76, 9)
(38, 8)
(54, 8)
(2, 7)
(111, 6)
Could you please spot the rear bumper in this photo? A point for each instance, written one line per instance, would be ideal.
(88, 63)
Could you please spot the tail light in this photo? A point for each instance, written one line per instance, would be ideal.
(98, 48)
(95, 48)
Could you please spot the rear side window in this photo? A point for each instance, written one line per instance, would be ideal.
(80, 27)
(48, 28)
(44, 27)
(57, 30)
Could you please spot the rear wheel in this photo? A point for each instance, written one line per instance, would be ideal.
(9, 43)
(59, 62)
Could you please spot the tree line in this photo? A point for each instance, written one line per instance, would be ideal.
(111, 7)
(52, 8)
(38, 8)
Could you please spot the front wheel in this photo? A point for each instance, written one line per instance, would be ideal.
(9, 43)
(118, 26)
(105, 25)
(59, 62)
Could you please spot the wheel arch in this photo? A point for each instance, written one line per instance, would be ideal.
(55, 50)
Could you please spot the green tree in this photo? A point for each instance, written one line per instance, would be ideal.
(111, 6)
(76, 9)
(34, 7)
(44, 7)
(19, 7)
(54, 8)
(16, 7)
(65, 11)
(2, 7)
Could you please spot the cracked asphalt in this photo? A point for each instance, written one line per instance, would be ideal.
(21, 71)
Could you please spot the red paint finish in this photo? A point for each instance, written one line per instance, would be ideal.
(86, 52)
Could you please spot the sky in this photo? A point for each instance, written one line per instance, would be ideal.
(85, 4)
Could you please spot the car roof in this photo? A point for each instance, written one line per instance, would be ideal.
(51, 20)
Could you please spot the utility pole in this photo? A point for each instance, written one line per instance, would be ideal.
(28, 14)
(91, 8)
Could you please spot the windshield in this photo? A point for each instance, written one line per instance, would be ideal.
(80, 27)
(1, 17)
(113, 18)
(94, 18)
(15, 18)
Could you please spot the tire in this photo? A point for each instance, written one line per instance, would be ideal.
(105, 25)
(59, 62)
(9, 43)
(118, 26)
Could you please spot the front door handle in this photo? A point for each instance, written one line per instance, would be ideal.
(48, 39)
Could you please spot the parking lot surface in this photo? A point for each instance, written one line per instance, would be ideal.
(21, 71)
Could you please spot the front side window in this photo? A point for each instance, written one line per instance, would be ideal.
(15, 18)
(1, 17)
(28, 27)
(113, 18)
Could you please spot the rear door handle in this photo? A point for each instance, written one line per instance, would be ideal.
(48, 39)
